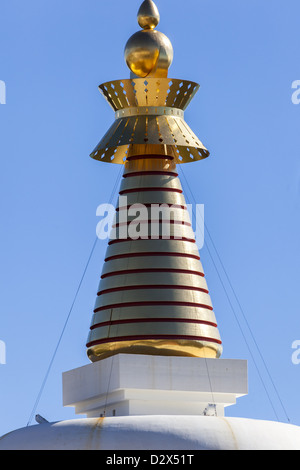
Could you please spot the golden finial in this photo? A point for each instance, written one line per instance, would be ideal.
(148, 15)
(149, 53)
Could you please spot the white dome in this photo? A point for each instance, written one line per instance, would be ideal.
(155, 433)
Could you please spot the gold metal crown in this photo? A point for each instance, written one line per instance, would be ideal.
(149, 107)
(149, 118)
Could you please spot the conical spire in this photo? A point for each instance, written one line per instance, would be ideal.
(152, 297)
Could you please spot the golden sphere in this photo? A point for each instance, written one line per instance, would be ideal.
(149, 53)
(148, 15)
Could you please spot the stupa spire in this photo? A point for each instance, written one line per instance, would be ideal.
(149, 53)
(152, 297)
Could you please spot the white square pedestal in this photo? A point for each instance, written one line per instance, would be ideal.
(127, 385)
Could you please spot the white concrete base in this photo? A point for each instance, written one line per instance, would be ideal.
(131, 385)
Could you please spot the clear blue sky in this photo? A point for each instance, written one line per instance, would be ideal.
(53, 55)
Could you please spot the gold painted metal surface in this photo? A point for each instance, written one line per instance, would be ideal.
(152, 347)
(148, 15)
(138, 92)
(149, 107)
(148, 53)
(149, 119)
(149, 111)
(145, 164)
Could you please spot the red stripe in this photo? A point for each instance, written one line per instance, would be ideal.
(136, 222)
(151, 286)
(152, 237)
(171, 237)
(175, 206)
(154, 253)
(137, 190)
(152, 320)
(150, 173)
(149, 303)
(145, 337)
(151, 270)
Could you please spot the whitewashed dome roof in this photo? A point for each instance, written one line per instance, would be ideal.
(155, 433)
